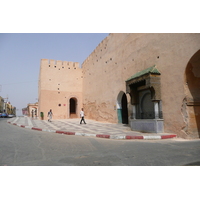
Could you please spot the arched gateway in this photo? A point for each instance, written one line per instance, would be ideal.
(191, 105)
(122, 110)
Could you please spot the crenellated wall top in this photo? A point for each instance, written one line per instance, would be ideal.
(59, 64)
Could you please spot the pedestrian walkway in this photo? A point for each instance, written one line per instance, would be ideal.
(92, 128)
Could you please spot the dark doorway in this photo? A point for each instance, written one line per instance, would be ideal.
(124, 109)
(72, 107)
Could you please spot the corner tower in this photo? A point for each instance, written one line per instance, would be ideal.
(60, 88)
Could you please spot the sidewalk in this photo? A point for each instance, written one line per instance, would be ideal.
(92, 128)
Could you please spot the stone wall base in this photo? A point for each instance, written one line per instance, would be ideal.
(147, 125)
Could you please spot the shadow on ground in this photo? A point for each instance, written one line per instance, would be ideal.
(193, 164)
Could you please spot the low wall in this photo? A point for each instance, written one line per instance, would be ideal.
(147, 125)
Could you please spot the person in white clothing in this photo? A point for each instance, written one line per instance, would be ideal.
(82, 116)
(50, 114)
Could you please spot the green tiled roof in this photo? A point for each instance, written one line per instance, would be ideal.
(151, 70)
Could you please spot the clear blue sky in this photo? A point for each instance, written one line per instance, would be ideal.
(20, 55)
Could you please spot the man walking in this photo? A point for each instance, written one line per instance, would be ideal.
(50, 115)
(82, 116)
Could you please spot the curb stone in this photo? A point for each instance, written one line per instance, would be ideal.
(127, 137)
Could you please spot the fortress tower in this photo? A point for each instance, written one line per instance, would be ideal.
(60, 88)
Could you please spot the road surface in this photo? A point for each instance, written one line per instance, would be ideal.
(24, 147)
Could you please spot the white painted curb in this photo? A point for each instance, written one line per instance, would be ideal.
(119, 137)
(158, 137)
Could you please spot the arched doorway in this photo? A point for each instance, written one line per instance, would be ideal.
(192, 91)
(72, 107)
(122, 110)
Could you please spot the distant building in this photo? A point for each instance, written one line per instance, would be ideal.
(6, 107)
(1, 104)
(25, 111)
(11, 110)
(149, 81)
(32, 110)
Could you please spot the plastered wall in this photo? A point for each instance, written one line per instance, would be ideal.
(120, 56)
(59, 81)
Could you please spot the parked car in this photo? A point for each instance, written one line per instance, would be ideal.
(0, 114)
(4, 115)
(10, 116)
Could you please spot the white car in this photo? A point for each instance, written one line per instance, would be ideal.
(10, 116)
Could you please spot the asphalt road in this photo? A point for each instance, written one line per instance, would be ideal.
(24, 147)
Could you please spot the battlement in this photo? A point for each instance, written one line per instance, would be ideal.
(58, 64)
